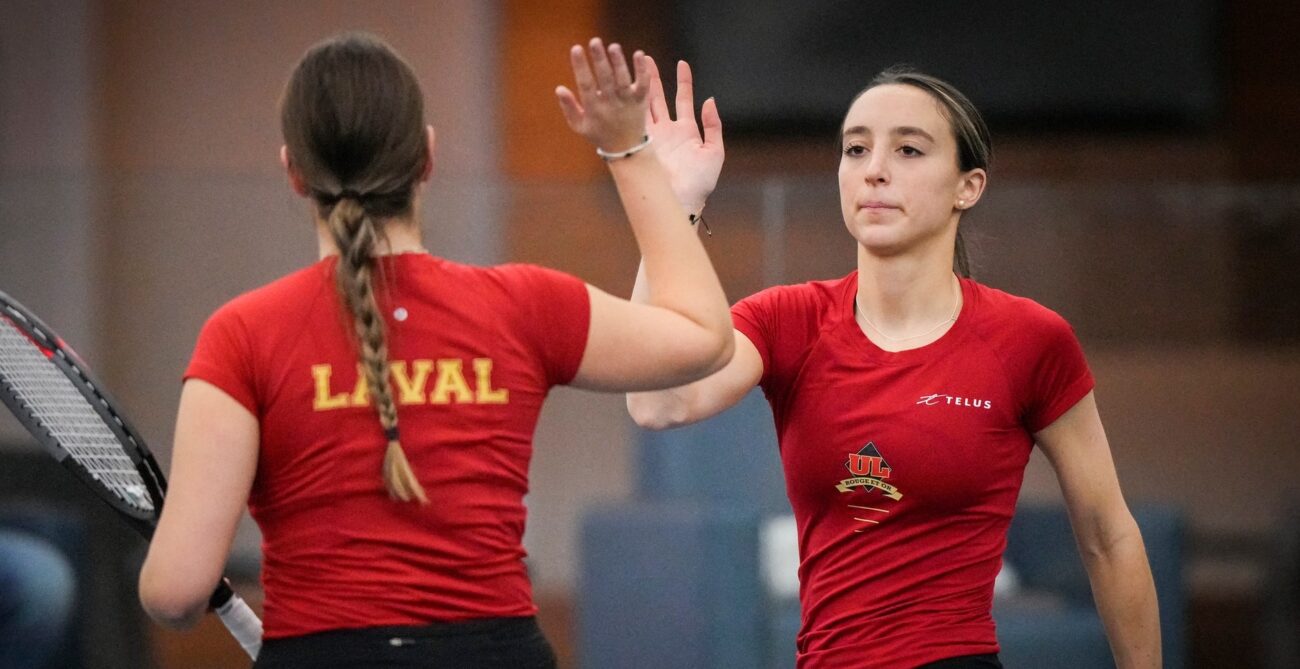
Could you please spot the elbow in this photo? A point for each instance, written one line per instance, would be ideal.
(656, 410)
(1102, 541)
(668, 402)
(170, 603)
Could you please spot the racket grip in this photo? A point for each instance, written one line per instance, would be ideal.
(243, 624)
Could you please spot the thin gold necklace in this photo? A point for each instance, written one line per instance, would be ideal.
(955, 308)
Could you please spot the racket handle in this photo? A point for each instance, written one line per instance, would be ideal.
(235, 614)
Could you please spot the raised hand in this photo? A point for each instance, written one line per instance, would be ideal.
(610, 106)
(693, 161)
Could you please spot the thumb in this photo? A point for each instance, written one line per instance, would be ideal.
(570, 107)
(712, 122)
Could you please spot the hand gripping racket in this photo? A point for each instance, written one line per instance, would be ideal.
(52, 393)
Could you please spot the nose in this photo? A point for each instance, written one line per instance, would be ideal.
(876, 170)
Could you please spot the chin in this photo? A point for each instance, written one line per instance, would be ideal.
(877, 238)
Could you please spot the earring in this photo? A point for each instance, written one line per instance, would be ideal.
(961, 204)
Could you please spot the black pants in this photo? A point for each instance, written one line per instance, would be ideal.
(989, 661)
(499, 643)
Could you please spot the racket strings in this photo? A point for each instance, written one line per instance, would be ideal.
(52, 400)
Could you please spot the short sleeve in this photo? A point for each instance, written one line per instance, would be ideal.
(756, 318)
(1060, 376)
(223, 357)
(556, 319)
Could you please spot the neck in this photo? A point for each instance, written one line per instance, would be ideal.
(906, 295)
(400, 235)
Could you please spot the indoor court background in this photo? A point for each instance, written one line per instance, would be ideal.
(140, 189)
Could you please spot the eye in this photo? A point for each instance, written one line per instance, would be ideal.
(855, 150)
(910, 151)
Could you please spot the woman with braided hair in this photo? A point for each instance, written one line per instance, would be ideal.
(375, 410)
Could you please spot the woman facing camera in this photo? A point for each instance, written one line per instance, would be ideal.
(907, 398)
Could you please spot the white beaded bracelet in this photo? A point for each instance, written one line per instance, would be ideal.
(608, 156)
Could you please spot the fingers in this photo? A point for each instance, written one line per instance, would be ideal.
(712, 122)
(582, 73)
(658, 99)
(622, 77)
(606, 90)
(685, 91)
(600, 64)
(570, 107)
(642, 84)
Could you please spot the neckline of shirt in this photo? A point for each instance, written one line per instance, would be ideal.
(862, 344)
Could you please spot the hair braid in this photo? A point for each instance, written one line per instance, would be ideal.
(354, 232)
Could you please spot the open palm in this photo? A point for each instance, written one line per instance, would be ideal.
(693, 160)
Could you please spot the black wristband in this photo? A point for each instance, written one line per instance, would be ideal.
(699, 218)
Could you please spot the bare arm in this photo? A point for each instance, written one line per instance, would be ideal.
(1108, 537)
(214, 459)
(693, 402)
(683, 330)
(694, 160)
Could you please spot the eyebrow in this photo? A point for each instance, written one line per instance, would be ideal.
(902, 131)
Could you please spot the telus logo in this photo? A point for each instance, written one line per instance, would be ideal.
(954, 400)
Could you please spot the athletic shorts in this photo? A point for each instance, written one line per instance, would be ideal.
(498, 643)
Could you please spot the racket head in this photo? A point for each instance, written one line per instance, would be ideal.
(53, 394)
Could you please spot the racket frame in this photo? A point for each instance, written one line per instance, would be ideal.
(242, 622)
(69, 363)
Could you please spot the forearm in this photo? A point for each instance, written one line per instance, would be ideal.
(214, 460)
(1126, 599)
(171, 604)
(659, 409)
(676, 273)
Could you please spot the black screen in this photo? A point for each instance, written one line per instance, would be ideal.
(789, 66)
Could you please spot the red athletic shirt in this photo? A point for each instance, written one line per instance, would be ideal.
(474, 352)
(903, 468)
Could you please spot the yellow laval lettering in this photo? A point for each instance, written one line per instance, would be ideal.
(450, 382)
(411, 380)
(324, 401)
(411, 387)
(483, 382)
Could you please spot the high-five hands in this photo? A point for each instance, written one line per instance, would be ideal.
(610, 106)
(693, 162)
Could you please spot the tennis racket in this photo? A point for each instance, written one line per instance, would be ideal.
(53, 394)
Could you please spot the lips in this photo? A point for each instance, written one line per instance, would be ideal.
(876, 205)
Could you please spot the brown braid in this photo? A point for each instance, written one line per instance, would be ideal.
(354, 233)
(353, 124)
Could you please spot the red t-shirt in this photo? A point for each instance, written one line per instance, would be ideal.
(474, 352)
(903, 468)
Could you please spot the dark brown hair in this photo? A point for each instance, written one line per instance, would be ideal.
(974, 145)
(353, 124)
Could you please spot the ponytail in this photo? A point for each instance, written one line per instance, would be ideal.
(354, 233)
(961, 257)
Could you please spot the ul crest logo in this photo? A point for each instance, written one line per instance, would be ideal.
(869, 471)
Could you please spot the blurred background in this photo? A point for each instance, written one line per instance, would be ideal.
(1145, 185)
